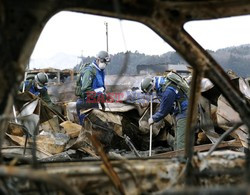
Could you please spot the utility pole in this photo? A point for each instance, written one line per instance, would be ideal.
(107, 43)
(106, 24)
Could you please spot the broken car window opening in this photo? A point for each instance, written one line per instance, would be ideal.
(125, 121)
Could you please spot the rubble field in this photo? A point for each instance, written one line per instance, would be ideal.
(115, 137)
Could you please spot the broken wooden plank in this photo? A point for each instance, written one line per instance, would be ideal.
(71, 129)
(226, 115)
(52, 144)
(200, 148)
(15, 129)
(16, 151)
(51, 125)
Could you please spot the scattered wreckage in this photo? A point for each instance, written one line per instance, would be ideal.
(120, 131)
(30, 169)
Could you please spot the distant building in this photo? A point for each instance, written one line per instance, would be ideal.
(55, 75)
(61, 85)
(160, 68)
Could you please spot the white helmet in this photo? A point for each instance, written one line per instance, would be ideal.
(41, 79)
(103, 56)
(147, 84)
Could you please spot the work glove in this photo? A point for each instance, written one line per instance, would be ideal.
(150, 121)
(99, 90)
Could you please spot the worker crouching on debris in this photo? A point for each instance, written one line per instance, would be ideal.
(90, 87)
(38, 87)
(173, 91)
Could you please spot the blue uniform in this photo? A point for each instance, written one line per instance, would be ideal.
(32, 88)
(172, 101)
(91, 81)
(43, 92)
(169, 99)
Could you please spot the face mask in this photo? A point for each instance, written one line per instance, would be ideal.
(38, 86)
(102, 65)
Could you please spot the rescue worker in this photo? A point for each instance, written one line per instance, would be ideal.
(90, 87)
(172, 90)
(37, 86)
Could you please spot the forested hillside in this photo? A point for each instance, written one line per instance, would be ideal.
(235, 58)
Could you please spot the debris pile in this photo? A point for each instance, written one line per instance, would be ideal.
(120, 131)
(121, 127)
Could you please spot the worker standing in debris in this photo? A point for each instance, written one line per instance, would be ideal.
(38, 87)
(173, 93)
(90, 84)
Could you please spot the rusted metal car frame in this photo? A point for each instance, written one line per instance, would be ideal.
(21, 23)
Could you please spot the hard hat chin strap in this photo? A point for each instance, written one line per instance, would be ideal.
(38, 86)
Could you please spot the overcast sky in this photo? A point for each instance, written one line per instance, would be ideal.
(81, 34)
(78, 34)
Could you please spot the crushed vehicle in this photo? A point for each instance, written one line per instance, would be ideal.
(46, 152)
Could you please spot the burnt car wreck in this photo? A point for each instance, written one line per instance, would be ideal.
(54, 155)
